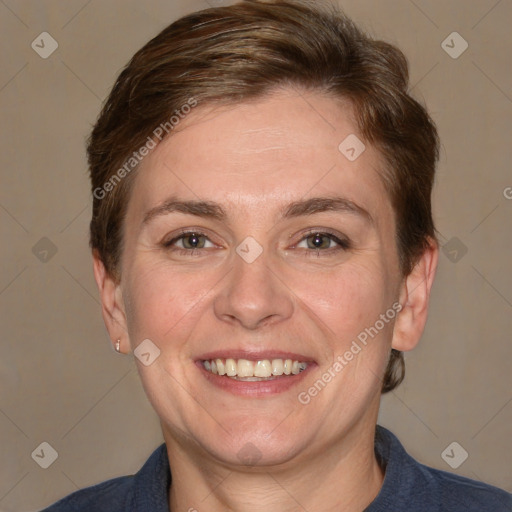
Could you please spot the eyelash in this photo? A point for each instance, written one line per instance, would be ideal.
(184, 234)
(343, 244)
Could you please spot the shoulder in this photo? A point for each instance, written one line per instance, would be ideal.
(410, 485)
(109, 496)
(146, 490)
(461, 493)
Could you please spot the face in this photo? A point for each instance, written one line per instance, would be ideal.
(250, 238)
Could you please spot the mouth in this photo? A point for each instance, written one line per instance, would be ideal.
(254, 374)
(254, 371)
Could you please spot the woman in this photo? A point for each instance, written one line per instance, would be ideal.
(263, 243)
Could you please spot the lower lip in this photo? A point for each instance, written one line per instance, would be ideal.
(255, 389)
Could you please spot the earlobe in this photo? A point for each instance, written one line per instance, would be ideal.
(414, 298)
(112, 306)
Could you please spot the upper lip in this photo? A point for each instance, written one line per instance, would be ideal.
(254, 355)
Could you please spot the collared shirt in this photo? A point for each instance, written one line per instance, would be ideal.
(408, 487)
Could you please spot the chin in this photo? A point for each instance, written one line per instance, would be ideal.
(252, 443)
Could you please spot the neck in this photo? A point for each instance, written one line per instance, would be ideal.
(344, 476)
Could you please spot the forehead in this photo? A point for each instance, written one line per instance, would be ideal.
(270, 151)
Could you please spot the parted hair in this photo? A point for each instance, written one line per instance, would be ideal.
(236, 53)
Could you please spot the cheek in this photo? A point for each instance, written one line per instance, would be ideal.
(162, 300)
(347, 301)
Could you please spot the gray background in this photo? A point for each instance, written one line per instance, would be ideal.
(60, 380)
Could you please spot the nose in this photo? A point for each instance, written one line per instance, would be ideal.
(253, 295)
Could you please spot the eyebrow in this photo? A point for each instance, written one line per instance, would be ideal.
(325, 204)
(206, 209)
(303, 207)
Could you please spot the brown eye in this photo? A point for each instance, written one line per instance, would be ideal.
(319, 241)
(193, 241)
(189, 240)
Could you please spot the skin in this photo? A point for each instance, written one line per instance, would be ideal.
(254, 159)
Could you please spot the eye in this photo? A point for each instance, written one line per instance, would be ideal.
(319, 240)
(189, 240)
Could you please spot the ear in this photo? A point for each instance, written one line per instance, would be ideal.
(112, 305)
(414, 298)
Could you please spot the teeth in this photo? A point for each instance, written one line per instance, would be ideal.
(245, 368)
(254, 370)
(230, 367)
(263, 369)
(220, 366)
(277, 367)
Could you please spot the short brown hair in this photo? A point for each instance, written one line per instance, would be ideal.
(232, 54)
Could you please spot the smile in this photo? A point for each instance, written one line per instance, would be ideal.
(253, 371)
